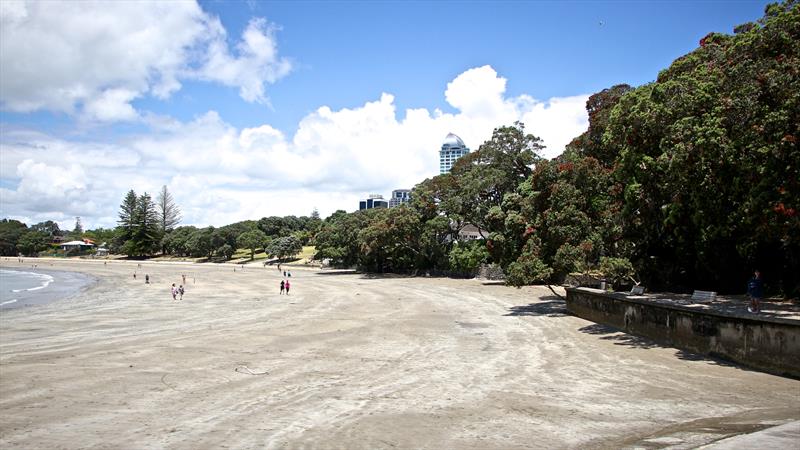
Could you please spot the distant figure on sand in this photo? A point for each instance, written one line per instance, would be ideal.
(180, 291)
(289, 274)
(287, 287)
(284, 273)
(146, 279)
(134, 275)
(183, 276)
(174, 291)
(755, 287)
(282, 287)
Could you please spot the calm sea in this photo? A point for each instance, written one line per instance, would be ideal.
(36, 287)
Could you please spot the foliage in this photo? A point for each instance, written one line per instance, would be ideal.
(337, 239)
(284, 247)
(708, 155)
(226, 251)
(617, 270)
(49, 227)
(252, 240)
(32, 242)
(467, 257)
(139, 231)
(10, 233)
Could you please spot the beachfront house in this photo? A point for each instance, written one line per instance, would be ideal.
(76, 246)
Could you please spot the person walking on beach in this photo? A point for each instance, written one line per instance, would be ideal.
(134, 275)
(755, 287)
(183, 276)
(180, 291)
(174, 291)
(282, 287)
(284, 273)
(146, 279)
(289, 274)
(287, 287)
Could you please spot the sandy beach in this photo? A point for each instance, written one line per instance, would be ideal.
(349, 361)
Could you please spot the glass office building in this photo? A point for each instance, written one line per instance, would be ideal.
(452, 149)
(399, 196)
(374, 201)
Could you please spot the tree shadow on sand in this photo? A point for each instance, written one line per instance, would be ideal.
(620, 337)
(550, 306)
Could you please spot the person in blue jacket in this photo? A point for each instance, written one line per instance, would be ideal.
(755, 287)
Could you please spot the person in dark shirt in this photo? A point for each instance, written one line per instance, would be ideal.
(755, 288)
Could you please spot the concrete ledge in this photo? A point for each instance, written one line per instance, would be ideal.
(765, 343)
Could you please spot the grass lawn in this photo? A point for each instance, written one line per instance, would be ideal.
(244, 253)
(307, 254)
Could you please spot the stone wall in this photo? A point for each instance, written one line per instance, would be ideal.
(491, 272)
(764, 343)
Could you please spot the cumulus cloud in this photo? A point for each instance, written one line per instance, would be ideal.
(220, 174)
(94, 57)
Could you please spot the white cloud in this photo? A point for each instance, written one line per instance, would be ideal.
(257, 63)
(220, 174)
(95, 57)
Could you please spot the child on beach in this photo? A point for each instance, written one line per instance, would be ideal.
(282, 287)
(174, 291)
(287, 287)
(180, 291)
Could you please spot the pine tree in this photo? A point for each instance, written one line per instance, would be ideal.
(127, 217)
(168, 211)
(78, 231)
(147, 233)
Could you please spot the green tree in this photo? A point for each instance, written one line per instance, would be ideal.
(32, 242)
(199, 243)
(466, 257)
(127, 218)
(337, 239)
(252, 240)
(10, 233)
(708, 155)
(284, 247)
(49, 227)
(226, 251)
(77, 231)
(139, 226)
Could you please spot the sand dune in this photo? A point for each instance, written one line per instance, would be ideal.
(348, 361)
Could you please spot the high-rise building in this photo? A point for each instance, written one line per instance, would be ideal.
(452, 149)
(399, 196)
(374, 201)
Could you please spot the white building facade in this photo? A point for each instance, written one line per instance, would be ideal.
(399, 197)
(452, 149)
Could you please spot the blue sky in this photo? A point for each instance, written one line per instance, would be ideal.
(246, 109)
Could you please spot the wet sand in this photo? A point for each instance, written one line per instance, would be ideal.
(348, 361)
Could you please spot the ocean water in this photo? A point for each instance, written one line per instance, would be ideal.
(35, 287)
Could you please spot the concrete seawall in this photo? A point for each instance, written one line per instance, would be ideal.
(764, 343)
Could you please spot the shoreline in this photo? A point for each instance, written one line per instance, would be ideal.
(63, 285)
(354, 362)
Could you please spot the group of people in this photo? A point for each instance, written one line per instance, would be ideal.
(176, 291)
(285, 285)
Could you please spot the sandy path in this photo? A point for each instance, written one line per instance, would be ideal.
(352, 363)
